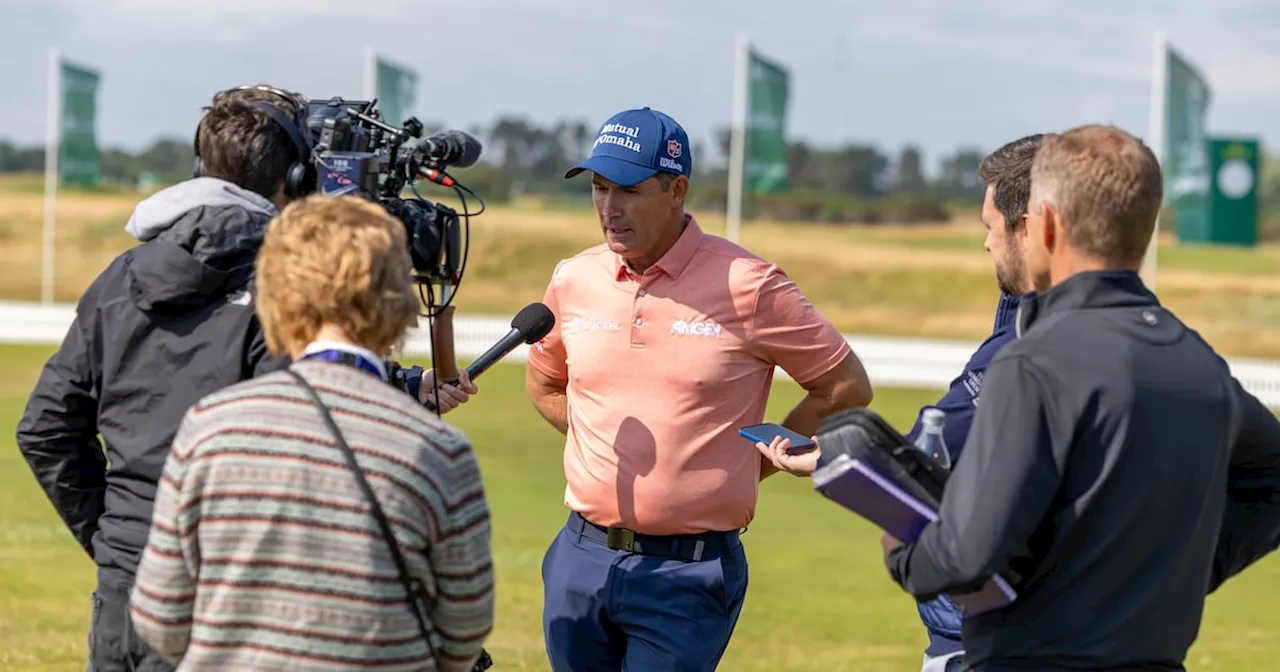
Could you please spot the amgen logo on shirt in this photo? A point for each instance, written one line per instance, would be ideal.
(709, 329)
(580, 324)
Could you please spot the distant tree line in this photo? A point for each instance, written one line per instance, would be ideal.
(851, 184)
(854, 183)
(166, 161)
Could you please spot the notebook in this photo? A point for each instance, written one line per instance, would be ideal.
(857, 486)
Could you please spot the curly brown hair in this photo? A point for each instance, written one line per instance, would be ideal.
(342, 261)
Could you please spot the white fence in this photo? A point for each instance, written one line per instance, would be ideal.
(890, 362)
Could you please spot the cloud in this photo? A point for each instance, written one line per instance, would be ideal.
(937, 74)
(256, 10)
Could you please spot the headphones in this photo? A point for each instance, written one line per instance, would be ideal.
(299, 177)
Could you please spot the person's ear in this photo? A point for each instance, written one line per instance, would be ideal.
(1051, 231)
(279, 199)
(679, 191)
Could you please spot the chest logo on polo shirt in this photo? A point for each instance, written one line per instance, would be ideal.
(580, 324)
(708, 329)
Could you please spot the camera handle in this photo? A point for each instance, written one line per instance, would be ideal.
(443, 359)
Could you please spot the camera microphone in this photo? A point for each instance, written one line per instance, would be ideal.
(453, 148)
(529, 325)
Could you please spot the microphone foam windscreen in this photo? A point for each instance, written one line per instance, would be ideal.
(533, 322)
(471, 149)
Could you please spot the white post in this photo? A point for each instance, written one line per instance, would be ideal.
(842, 79)
(1155, 138)
(53, 137)
(370, 73)
(738, 138)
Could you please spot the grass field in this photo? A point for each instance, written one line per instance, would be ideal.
(930, 281)
(819, 598)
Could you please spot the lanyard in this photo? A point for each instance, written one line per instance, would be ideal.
(348, 358)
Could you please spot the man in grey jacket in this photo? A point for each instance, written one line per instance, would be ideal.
(166, 323)
(1116, 473)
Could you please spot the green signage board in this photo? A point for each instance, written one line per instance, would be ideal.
(1235, 164)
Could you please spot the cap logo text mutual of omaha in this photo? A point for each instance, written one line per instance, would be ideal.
(621, 135)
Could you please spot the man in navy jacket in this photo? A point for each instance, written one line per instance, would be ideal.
(1007, 174)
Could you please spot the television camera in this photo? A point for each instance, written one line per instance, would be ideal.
(356, 152)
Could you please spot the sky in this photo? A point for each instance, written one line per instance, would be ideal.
(941, 75)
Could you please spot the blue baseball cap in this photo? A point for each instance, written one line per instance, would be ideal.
(635, 145)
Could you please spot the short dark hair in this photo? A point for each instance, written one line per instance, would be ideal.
(1008, 170)
(242, 145)
(1108, 187)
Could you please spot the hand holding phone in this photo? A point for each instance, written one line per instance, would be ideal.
(766, 432)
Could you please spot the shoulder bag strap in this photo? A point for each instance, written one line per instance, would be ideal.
(418, 599)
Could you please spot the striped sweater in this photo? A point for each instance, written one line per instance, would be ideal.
(263, 553)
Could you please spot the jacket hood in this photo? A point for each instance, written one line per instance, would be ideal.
(201, 238)
(162, 209)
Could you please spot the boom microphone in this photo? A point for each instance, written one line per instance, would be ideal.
(529, 325)
(453, 148)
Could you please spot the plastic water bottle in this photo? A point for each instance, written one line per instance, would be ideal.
(930, 440)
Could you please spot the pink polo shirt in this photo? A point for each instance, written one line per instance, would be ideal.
(663, 368)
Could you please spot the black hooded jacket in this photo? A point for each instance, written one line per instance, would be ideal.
(167, 323)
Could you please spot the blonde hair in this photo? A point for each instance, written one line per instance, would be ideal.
(337, 260)
(1107, 186)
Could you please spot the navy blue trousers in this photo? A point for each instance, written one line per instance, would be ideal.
(607, 610)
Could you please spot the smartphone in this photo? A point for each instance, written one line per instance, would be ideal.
(765, 433)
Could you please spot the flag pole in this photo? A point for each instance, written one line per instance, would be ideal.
(738, 138)
(370, 73)
(53, 136)
(1155, 138)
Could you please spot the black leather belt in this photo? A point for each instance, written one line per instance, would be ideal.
(688, 547)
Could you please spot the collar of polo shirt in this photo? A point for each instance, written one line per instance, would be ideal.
(676, 259)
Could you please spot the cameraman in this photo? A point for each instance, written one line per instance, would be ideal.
(165, 324)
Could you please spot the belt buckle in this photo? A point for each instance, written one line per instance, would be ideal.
(620, 539)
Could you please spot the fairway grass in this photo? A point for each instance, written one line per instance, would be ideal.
(819, 597)
(928, 281)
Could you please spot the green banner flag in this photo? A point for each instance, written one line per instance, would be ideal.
(1186, 146)
(768, 86)
(79, 162)
(396, 88)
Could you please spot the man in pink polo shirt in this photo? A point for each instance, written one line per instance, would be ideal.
(665, 345)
